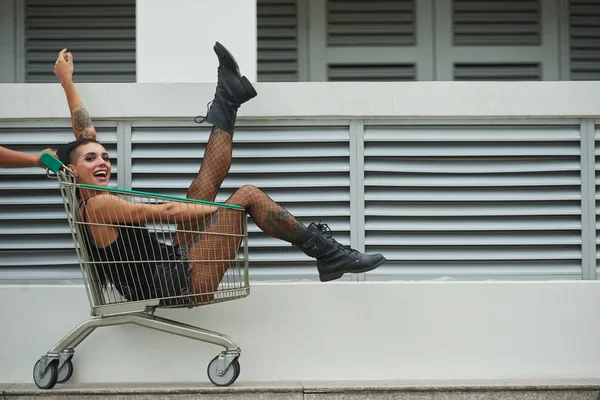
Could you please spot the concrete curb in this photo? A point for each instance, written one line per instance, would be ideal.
(317, 390)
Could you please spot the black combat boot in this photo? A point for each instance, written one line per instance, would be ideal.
(233, 90)
(334, 259)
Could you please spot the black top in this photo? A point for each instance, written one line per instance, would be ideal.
(129, 263)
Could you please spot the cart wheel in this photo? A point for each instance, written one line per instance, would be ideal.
(230, 375)
(48, 379)
(239, 369)
(64, 374)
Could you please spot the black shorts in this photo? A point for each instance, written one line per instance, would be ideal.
(172, 279)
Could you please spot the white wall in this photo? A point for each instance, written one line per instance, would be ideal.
(335, 331)
(175, 38)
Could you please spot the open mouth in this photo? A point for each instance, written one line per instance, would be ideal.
(101, 175)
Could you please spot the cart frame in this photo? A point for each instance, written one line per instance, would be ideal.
(56, 365)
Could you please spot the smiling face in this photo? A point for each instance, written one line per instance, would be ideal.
(91, 163)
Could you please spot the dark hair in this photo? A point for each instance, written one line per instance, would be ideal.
(64, 152)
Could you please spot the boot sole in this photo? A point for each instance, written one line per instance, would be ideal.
(248, 86)
(337, 275)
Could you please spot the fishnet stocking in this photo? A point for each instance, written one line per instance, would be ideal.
(270, 217)
(214, 168)
(206, 184)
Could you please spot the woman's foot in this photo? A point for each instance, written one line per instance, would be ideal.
(229, 77)
(334, 259)
(233, 90)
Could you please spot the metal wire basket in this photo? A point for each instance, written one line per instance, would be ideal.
(148, 260)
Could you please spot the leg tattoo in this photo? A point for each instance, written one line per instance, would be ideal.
(283, 225)
(270, 217)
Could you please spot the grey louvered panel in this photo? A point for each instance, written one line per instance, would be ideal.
(477, 208)
(496, 22)
(305, 169)
(471, 202)
(497, 72)
(372, 23)
(371, 72)
(100, 34)
(277, 40)
(597, 181)
(585, 39)
(35, 240)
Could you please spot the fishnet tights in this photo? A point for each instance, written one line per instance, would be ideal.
(270, 217)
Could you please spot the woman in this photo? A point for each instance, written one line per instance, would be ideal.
(90, 161)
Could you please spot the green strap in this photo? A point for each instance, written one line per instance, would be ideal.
(160, 196)
(54, 165)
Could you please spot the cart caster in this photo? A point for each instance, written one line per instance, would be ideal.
(64, 374)
(228, 377)
(238, 369)
(45, 379)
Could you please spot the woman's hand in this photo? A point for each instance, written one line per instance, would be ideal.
(63, 67)
(37, 161)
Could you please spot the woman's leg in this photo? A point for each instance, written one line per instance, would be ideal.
(333, 259)
(214, 251)
(233, 89)
(220, 243)
(214, 168)
(206, 183)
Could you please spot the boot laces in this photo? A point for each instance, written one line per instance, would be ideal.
(202, 118)
(326, 230)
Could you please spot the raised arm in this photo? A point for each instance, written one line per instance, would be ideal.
(80, 118)
(109, 209)
(17, 159)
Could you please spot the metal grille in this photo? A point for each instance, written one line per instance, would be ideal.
(372, 23)
(597, 193)
(35, 241)
(497, 72)
(585, 39)
(371, 72)
(277, 41)
(472, 202)
(496, 22)
(100, 34)
(305, 169)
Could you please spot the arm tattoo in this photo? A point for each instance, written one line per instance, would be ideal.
(89, 134)
(82, 120)
(284, 225)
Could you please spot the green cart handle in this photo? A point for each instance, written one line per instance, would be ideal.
(51, 162)
(54, 165)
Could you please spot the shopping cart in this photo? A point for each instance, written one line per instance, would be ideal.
(122, 290)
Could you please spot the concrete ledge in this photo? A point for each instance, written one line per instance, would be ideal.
(459, 395)
(523, 389)
(568, 389)
(448, 99)
(143, 391)
(3, 387)
(451, 385)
